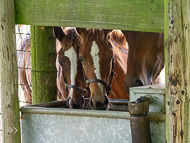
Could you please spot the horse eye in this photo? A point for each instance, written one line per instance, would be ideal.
(60, 62)
(81, 60)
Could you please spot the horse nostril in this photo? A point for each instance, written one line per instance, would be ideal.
(82, 100)
(139, 82)
(106, 100)
(91, 103)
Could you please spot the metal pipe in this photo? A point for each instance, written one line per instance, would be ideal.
(139, 121)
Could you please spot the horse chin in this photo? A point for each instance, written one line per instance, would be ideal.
(99, 105)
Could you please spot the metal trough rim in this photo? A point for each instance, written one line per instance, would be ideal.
(64, 103)
(153, 116)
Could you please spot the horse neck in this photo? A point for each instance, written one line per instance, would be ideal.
(120, 69)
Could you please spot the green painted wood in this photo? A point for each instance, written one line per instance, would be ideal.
(137, 15)
(9, 74)
(43, 53)
(177, 56)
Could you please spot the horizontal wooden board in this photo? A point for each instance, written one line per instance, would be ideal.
(136, 15)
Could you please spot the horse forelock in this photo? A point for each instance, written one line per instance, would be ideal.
(71, 38)
(98, 34)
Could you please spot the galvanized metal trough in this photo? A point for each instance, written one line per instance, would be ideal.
(52, 123)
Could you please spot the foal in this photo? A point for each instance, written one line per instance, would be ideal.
(104, 60)
(71, 67)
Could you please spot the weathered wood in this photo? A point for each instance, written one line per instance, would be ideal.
(43, 53)
(9, 74)
(137, 15)
(177, 56)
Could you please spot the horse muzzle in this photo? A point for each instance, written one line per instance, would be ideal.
(72, 105)
(99, 105)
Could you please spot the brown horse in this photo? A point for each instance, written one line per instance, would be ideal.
(24, 68)
(146, 58)
(24, 71)
(70, 42)
(104, 58)
(68, 58)
(61, 92)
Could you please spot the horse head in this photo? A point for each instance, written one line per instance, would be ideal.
(96, 56)
(71, 67)
(145, 59)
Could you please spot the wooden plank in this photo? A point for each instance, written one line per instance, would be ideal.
(177, 56)
(9, 74)
(43, 53)
(134, 15)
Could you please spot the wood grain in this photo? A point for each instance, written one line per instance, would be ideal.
(177, 56)
(43, 53)
(9, 74)
(134, 15)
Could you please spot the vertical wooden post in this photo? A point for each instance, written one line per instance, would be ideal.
(9, 74)
(177, 56)
(43, 53)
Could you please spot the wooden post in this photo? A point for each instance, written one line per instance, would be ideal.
(9, 74)
(177, 56)
(43, 53)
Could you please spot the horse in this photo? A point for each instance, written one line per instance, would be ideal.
(145, 59)
(68, 58)
(104, 59)
(61, 90)
(24, 68)
(24, 71)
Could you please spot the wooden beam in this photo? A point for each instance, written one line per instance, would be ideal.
(177, 56)
(43, 53)
(136, 15)
(9, 74)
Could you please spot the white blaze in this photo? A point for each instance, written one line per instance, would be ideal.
(72, 55)
(94, 53)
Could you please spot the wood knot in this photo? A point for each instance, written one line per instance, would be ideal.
(182, 92)
(9, 106)
(177, 102)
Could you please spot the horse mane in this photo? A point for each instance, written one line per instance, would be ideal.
(119, 40)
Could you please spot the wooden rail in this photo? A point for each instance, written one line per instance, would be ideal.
(136, 15)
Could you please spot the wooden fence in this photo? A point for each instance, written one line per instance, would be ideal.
(169, 16)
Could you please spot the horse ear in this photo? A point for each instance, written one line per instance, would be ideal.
(58, 32)
(108, 36)
(80, 30)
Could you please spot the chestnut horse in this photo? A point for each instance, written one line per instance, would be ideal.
(24, 68)
(70, 41)
(146, 58)
(68, 58)
(104, 60)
